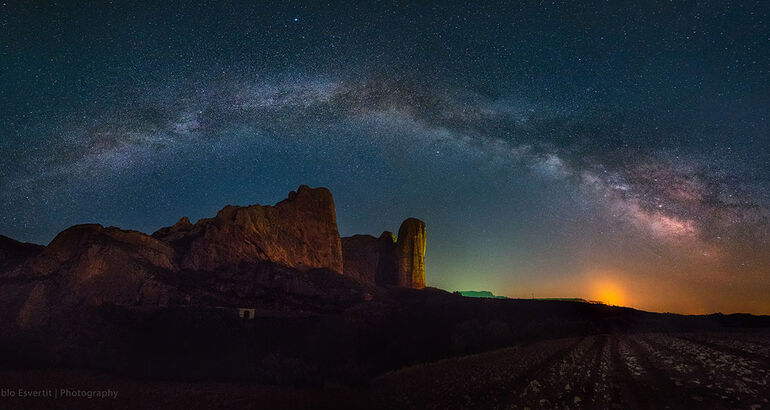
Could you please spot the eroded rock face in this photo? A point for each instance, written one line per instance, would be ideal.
(411, 254)
(299, 232)
(94, 264)
(384, 261)
(90, 247)
(85, 264)
(360, 257)
(386, 270)
(370, 260)
(289, 253)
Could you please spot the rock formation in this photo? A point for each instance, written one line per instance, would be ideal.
(299, 232)
(411, 254)
(289, 253)
(90, 264)
(370, 260)
(384, 261)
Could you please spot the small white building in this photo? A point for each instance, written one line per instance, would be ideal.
(247, 313)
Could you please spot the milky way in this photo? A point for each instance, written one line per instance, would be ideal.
(543, 152)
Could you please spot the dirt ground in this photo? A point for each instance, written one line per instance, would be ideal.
(642, 371)
(639, 371)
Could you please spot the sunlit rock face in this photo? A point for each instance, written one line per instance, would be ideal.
(384, 261)
(411, 254)
(299, 232)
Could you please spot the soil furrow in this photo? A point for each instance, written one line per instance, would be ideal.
(763, 360)
(513, 399)
(691, 384)
(661, 383)
(618, 371)
(625, 381)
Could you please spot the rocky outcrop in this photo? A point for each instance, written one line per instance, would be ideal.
(370, 260)
(299, 232)
(93, 250)
(13, 252)
(411, 254)
(83, 265)
(175, 232)
(92, 264)
(384, 261)
(287, 254)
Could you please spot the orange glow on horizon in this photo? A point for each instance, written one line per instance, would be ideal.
(609, 293)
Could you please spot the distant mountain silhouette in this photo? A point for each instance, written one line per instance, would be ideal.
(480, 294)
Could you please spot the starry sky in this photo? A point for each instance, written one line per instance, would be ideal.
(617, 151)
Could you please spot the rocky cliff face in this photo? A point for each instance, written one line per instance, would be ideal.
(290, 251)
(411, 254)
(384, 261)
(87, 264)
(299, 232)
(370, 260)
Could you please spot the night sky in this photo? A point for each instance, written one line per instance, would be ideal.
(617, 151)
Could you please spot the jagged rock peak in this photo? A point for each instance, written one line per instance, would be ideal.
(304, 189)
(184, 222)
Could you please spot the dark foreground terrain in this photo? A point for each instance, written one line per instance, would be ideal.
(651, 370)
(613, 371)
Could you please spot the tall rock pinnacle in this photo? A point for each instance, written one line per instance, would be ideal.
(411, 254)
